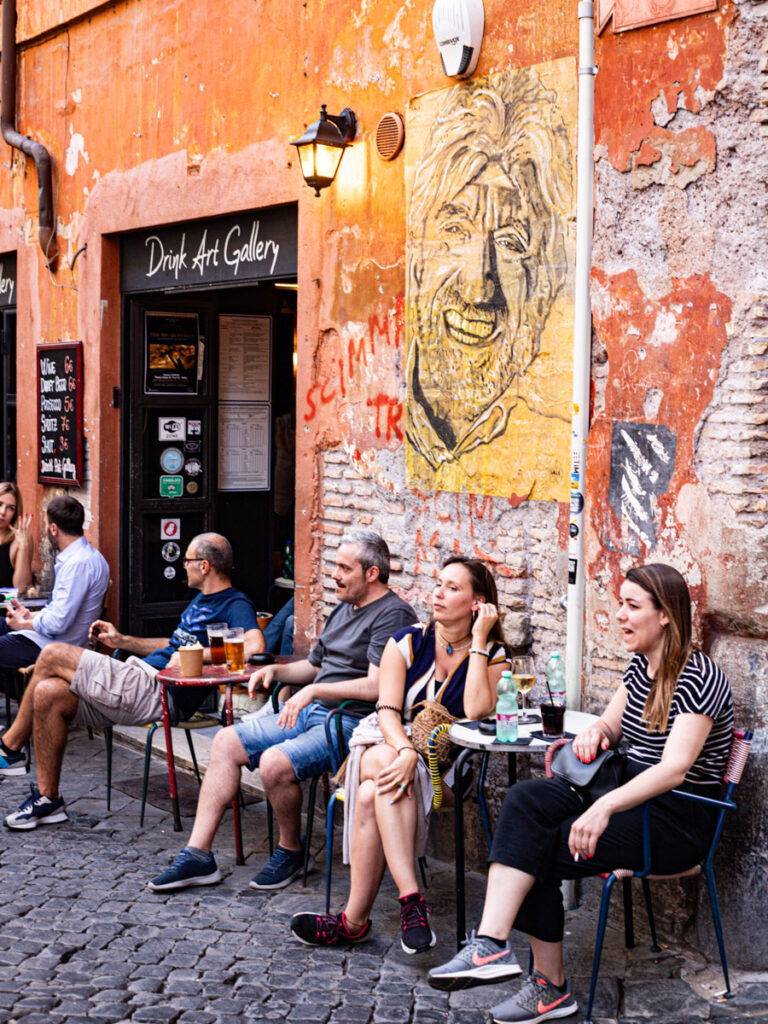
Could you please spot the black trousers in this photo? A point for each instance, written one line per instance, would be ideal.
(532, 836)
(16, 651)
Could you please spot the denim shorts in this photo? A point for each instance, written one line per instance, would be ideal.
(304, 745)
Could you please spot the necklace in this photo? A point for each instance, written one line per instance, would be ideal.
(451, 646)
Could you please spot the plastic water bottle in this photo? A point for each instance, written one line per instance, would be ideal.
(556, 678)
(506, 709)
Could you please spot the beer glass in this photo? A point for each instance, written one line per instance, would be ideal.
(234, 645)
(216, 632)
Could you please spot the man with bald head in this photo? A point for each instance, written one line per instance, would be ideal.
(70, 684)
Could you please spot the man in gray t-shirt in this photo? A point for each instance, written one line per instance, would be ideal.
(291, 746)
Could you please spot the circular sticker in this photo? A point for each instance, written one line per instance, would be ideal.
(169, 572)
(193, 466)
(574, 530)
(171, 460)
(192, 486)
(171, 551)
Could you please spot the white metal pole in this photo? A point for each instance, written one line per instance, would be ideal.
(582, 338)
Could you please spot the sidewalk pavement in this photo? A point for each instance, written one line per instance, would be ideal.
(83, 939)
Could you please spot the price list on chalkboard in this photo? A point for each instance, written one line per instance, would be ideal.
(60, 413)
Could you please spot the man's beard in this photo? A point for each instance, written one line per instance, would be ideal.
(457, 381)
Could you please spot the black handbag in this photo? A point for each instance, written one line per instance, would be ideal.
(591, 781)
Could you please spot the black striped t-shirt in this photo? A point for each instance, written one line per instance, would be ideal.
(702, 689)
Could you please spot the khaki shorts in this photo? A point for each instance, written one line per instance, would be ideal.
(113, 692)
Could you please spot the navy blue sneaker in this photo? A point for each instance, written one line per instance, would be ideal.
(281, 869)
(37, 810)
(186, 870)
(14, 762)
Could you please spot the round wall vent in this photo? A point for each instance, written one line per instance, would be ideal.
(389, 136)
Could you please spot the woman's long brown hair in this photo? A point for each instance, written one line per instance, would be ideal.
(483, 585)
(669, 593)
(6, 487)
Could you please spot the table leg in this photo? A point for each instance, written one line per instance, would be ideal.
(169, 755)
(458, 827)
(239, 858)
(512, 768)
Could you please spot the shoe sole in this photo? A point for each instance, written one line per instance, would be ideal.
(456, 982)
(561, 1011)
(419, 949)
(16, 769)
(185, 883)
(51, 819)
(285, 881)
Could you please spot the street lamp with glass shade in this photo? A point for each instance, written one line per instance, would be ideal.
(322, 146)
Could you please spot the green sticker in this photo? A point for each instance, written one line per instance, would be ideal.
(171, 486)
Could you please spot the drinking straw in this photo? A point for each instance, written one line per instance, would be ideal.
(551, 698)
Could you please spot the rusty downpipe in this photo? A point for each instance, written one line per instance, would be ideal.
(38, 152)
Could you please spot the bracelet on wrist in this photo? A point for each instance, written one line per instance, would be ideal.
(389, 707)
(408, 747)
(479, 650)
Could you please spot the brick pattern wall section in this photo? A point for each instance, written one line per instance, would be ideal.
(423, 528)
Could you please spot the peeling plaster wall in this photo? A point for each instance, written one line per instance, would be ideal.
(158, 112)
(680, 341)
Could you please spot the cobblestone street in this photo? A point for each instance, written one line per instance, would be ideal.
(82, 937)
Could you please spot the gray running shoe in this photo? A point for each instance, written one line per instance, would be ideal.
(478, 962)
(538, 999)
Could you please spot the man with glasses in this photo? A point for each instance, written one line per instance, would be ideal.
(70, 684)
(291, 746)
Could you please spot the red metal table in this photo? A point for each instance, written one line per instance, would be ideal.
(213, 675)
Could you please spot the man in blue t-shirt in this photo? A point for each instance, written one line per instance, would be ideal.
(70, 684)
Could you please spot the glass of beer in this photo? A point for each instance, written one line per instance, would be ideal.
(234, 645)
(216, 631)
(524, 674)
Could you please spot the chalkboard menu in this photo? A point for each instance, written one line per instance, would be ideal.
(60, 413)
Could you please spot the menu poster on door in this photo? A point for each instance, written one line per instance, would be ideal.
(171, 351)
(245, 356)
(244, 447)
(60, 413)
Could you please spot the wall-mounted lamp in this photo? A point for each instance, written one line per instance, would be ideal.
(322, 146)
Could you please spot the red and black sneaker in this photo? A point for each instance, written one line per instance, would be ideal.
(326, 929)
(415, 934)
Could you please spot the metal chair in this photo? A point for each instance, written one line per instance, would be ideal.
(739, 752)
(197, 721)
(338, 754)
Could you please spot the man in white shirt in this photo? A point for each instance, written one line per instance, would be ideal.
(81, 581)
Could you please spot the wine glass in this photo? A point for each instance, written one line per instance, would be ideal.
(524, 674)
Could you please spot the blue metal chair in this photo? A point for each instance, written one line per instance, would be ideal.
(338, 753)
(739, 752)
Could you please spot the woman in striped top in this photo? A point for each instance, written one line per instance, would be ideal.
(456, 659)
(674, 712)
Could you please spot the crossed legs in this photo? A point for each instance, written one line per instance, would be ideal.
(382, 833)
(45, 711)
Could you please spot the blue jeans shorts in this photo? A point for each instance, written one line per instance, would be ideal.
(304, 745)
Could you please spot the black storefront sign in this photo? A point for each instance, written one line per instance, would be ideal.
(7, 281)
(223, 250)
(60, 413)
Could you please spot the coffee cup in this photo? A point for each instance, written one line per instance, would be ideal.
(552, 719)
(191, 658)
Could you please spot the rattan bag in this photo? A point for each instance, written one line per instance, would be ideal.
(431, 715)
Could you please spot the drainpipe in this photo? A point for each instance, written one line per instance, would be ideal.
(38, 152)
(582, 343)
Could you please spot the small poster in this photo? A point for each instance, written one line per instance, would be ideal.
(245, 356)
(171, 351)
(244, 447)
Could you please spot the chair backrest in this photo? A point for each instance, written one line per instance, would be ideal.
(741, 743)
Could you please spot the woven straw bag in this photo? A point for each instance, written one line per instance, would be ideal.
(431, 715)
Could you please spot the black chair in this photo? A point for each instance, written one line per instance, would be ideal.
(740, 745)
